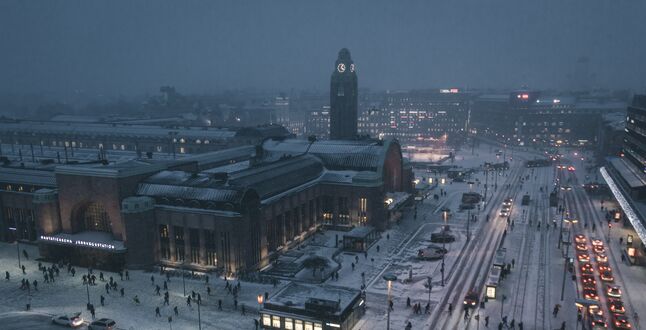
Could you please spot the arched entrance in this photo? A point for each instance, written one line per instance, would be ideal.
(93, 217)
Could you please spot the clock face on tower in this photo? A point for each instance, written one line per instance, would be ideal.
(352, 67)
(340, 67)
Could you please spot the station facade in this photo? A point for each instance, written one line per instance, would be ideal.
(230, 211)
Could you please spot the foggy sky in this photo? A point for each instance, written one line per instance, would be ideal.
(130, 47)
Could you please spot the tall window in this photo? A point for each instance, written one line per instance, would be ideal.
(96, 218)
(210, 245)
(164, 245)
(179, 243)
(363, 210)
(194, 239)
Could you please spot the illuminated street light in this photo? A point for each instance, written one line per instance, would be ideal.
(389, 278)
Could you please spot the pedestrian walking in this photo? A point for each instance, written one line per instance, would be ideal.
(157, 312)
(219, 304)
(563, 325)
(24, 253)
(513, 263)
(35, 285)
(487, 321)
(409, 326)
(157, 289)
(450, 308)
(23, 270)
(122, 292)
(165, 285)
(92, 311)
(520, 325)
(175, 311)
(127, 276)
(102, 300)
(136, 300)
(152, 279)
(6, 275)
(208, 290)
(188, 301)
(101, 277)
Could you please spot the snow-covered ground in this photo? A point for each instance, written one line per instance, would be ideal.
(394, 253)
(68, 295)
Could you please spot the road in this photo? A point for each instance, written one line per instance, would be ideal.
(26, 320)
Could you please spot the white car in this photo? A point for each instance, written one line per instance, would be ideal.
(73, 321)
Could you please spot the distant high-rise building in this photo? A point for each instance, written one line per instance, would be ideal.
(343, 98)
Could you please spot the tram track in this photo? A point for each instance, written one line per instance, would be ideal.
(492, 235)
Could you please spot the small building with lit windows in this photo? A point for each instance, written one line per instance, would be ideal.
(312, 307)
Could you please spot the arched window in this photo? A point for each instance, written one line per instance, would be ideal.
(96, 218)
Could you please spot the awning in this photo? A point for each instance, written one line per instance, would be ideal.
(625, 205)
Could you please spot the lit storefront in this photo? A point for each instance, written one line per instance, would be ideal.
(310, 307)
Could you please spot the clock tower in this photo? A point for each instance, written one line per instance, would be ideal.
(343, 98)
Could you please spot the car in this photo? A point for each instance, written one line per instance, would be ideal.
(603, 266)
(471, 299)
(615, 305)
(590, 294)
(580, 239)
(566, 187)
(504, 213)
(598, 249)
(73, 321)
(621, 321)
(587, 269)
(588, 279)
(598, 322)
(581, 247)
(613, 291)
(102, 324)
(584, 257)
(597, 242)
(588, 285)
(602, 258)
(571, 168)
(606, 276)
(508, 201)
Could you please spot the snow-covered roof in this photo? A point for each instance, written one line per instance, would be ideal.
(295, 295)
(336, 154)
(212, 159)
(28, 176)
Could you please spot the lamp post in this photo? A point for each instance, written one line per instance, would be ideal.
(183, 281)
(260, 298)
(15, 234)
(445, 215)
(389, 278)
(199, 316)
(502, 305)
(429, 282)
(565, 262)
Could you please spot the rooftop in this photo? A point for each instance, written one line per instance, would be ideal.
(295, 295)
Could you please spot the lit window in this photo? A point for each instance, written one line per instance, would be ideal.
(308, 326)
(318, 326)
(298, 325)
(123, 147)
(182, 150)
(266, 320)
(289, 324)
(275, 321)
(182, 140)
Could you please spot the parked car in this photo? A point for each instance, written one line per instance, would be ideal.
(613, 291)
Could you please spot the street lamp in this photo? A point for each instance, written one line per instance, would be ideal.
(429, 282)
(15, 234)
(565, 261)
(389, 278)
(199, 316)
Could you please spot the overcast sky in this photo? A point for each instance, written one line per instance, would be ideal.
(130, 47)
